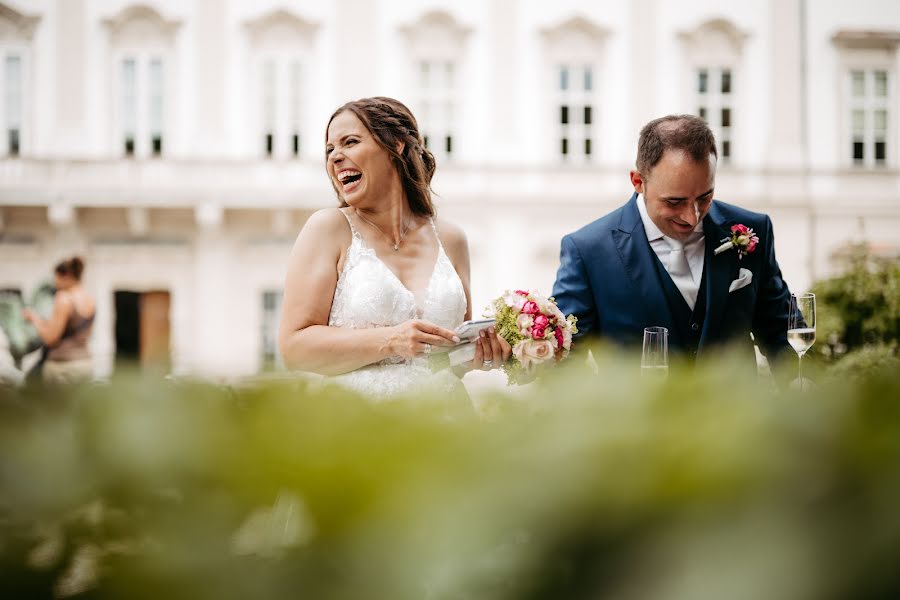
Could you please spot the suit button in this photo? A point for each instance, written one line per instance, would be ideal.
(694, 326)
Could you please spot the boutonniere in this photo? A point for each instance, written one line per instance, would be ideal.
(742, 238)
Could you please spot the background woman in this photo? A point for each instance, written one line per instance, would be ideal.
(67, 331)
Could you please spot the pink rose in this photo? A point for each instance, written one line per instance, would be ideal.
(532, 352)
(530, 308)
(541, 321)
(739, 228)
(521, 292)
(559, 337)
(538, 333)
(752, 246)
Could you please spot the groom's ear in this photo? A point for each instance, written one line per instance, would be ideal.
(637, 180)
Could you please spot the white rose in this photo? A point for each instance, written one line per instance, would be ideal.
(567, 337)
(560, 317)
(524, 323)
(514, 300)
(533, 352)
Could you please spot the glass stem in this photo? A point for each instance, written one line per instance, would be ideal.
(800, 370)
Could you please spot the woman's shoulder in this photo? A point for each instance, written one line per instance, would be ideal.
(451, 234)
(327, 225)
(327, 220)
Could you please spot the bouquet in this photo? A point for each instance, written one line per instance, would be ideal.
(535, 328)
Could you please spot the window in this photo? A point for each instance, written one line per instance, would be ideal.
(281, 105)
(715, 105)
(271, 315)
(869, 105)
(141, 105)
(269, 105)
(129, 105)
(295, 101)
(437, 105)
(13, 104)
(156, 107)
(575, 111)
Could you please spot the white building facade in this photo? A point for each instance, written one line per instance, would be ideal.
(178, 145)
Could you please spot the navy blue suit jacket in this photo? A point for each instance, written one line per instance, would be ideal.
(607, 278)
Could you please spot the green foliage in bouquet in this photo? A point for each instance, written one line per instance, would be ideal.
(859, 308)
(580, 486)
(507, 328)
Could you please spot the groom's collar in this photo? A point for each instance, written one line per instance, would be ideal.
(717, 218)
(653, 232)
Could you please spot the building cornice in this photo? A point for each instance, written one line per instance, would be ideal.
(866, 39)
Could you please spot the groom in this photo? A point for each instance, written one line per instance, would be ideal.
(653, 261)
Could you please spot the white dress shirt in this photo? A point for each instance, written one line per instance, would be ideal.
(694, 250)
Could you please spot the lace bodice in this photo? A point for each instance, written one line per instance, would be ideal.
(368, 294)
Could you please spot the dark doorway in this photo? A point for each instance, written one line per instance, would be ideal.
(143, 329)
(128, 332)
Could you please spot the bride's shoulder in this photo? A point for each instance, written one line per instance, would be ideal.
(327, 222)
(325, 229)
(450, 232)
(328, 218)
(453, 237)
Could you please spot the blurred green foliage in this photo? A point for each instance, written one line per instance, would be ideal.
(858, 312)
(581, 485)
(861, 306)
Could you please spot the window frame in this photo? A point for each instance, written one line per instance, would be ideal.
(26, 101)
(144, 142)
(282, 115)
(868, 103)
(573, 99)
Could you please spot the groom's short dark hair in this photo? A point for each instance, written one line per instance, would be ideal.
(682, 132)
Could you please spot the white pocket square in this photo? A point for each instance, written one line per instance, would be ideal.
(743, 280)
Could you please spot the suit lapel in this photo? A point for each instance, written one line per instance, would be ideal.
(720, 271)
(637, 259)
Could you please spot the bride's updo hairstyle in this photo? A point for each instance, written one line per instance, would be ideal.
(390, 121)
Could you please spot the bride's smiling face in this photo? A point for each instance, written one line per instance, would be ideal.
(359, 168)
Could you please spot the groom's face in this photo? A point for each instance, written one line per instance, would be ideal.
(678, 191)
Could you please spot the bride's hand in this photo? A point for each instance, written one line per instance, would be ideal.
(491, 350)
(416, 338)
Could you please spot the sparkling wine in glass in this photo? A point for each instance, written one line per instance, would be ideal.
(801, 332)
(655, 357)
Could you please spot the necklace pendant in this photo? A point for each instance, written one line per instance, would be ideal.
(396, 247)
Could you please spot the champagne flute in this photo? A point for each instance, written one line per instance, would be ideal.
(655, 357)
(801, 332)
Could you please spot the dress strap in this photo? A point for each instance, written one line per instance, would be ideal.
(353, 231)
(434, 227)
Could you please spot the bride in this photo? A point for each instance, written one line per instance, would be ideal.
(373, 286)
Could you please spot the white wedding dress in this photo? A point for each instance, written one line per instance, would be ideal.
(369, 294)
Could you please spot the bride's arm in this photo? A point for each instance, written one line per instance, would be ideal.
(305, 340)
(489, 345)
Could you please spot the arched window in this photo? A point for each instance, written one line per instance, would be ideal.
(434, 44)
(280, 47)
(714, 51)
(141, 42)
(16, 33)
(574, 50)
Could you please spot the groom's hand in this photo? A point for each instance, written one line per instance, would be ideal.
(416, 338)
